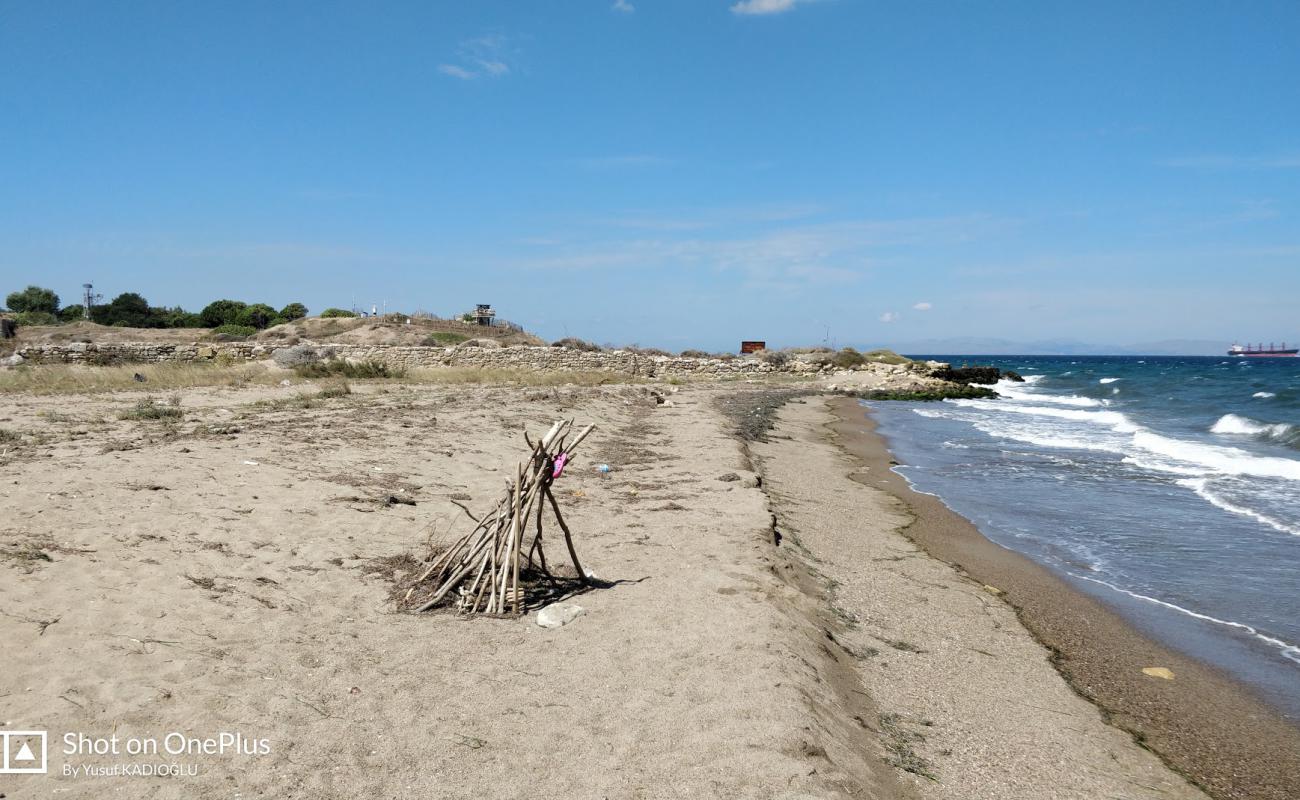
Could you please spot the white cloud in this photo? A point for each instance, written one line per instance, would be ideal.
(624, 6)
(479, 57)
(923, 306)
(765, 6)
(890, 316)
(456, 72)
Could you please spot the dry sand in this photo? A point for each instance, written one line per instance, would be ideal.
(152, 580)
(191, 591)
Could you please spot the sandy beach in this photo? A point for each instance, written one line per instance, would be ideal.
(230, 570)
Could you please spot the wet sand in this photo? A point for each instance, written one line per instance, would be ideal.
(1202, 723)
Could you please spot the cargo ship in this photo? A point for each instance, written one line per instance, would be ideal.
(1258, 351)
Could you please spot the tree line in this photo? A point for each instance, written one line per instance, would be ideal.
(37, 305)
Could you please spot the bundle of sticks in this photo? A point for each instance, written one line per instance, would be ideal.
(480, 572)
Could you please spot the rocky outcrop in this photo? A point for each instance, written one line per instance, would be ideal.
(967, 375)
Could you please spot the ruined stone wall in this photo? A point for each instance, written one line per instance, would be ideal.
(415, 357)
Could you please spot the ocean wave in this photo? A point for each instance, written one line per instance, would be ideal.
(1046, 438)
(1176, 456)
(1032, 379)
(1201, 487)
(1289, 651)
(1113, 419)
(1215, 459)
(1052, 399)
(1263, 395)
(1281, 432)
(1109, 380)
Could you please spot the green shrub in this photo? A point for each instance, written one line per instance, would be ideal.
(694, 354)
(574, 343)
(258, 315)
(234, 330)
(336, 312)
(886, 357)
(346, 369)
(293, 311)
(148, 409)
(221, 312)
(443, 339)
(848, 358)
(777, 358)
(35, 318)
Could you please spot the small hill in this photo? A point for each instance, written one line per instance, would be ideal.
(343, 330)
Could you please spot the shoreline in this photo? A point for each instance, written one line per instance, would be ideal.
(1203, 723)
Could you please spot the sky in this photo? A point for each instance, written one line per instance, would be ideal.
(672, 173)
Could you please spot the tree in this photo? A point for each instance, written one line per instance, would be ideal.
(176, 317)
(293, 311)
(336, 312)
(128, 310)
(34, 298)
(72, 313)
(221, 312)
(258, 315)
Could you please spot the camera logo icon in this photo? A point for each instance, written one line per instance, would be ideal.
(23, 751)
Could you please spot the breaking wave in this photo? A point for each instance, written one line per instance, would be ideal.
(1280, 432)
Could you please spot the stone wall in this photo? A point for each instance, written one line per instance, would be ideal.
(415, 357)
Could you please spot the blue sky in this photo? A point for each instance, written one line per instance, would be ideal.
(670, 172)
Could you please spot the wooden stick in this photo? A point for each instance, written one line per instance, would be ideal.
(568, 537)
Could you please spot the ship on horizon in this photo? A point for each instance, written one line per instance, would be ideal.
(1258, 351)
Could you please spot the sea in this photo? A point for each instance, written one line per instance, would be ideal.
(1166, 487)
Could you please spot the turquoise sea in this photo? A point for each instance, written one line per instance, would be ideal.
(1167, 487)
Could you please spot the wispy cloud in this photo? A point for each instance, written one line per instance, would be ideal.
(890, 316)
(923, 306)
(482, 56)
(1287, 161)
(624, 6)
(765, 6)
(790, 257)
(456, 72)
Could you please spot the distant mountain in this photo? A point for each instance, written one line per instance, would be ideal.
(966, 345)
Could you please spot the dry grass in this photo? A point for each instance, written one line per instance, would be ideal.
(516, 377)
(69, 379)
(50, 379)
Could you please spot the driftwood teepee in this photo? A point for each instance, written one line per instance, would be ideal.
(481, 572)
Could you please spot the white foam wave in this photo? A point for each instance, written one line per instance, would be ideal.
(927, 413)
(1113, 419)
(1289, 651)
(1263, 395)
(1201, 487)
(1012, 393)
(1045, 439)
(1223, 460)
(1245, 426)
(1032, 379)
(1108, 380)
